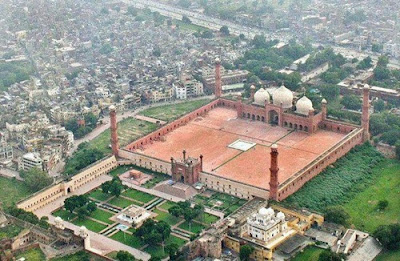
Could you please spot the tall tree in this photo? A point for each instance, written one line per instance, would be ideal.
(36, 179)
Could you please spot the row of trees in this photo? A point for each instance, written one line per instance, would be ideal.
(28, 217)
(81, 205)
(36, 179)
(113, 187)
(188, 213)
(84, 156)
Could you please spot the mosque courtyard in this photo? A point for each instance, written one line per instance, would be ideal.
(239, 149)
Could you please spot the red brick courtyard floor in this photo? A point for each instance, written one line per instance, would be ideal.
(211, 135)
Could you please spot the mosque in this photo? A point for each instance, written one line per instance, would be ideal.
(233, 146)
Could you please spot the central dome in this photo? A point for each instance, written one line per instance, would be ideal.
(283, 96)
(261, 96)
(304, 106)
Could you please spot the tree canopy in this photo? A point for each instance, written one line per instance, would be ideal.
(36, 179)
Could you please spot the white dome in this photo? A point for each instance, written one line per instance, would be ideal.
(263, 211)
(283, 96)
(112, 108)
(270, 211)
(261, 96)
(58, 220)
(304, 105)
(280, 215)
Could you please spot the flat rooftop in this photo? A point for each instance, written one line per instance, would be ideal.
(212, 134)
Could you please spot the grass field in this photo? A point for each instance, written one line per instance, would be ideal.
(194, 228)
(64, 214)
(389, 256)
(386, 186)
(90, 224)
(167, 205)
(34, 254)
(207, 218)
(163, 216)
(157, 250)
(102, 215)
(12, 191)
(127, 239)
(120, 202)
(310, 253)
(129, 130)
(138, 195)
(229, 203)
(99, 195)
(171, 112)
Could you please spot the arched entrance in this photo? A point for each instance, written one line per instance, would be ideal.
(68, 190)
(273, 117)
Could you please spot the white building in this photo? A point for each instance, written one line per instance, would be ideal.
(134, 215)
(188, 87)
(30, 160)
(265, 225)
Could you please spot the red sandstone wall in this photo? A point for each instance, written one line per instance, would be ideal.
(337, 126)
(146, 162)
(296, 182)
(235, 188)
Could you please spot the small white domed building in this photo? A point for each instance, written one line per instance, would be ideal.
(265, 225)
(283, 96)
(261, 97)
(304, 106)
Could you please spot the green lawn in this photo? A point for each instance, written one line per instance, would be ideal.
(310, 253)
(102, 215)
(173, 111)
(389, 256)
(128, 239)
(155, 180)
(163, 216)
(167, 205)
(90, 224)
(195, 227)
(157, 250)
(64, 214)
(120, 202)
(207, 218)
(99, 195)
(10, 231)
(12, 191)
(385, 186)
(138, 195)
(129, 130)
(176, 240)
(229, 202)
(34, 254)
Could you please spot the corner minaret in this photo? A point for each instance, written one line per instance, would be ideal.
(218, 83)
(365, 113)
(274, 169)
(323, 109)
(252, 92)
(114, 128)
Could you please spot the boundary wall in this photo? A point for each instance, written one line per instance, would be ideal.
(50, 194)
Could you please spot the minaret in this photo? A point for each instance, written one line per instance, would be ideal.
(114, 129)
(323, 109)
(274, 169)
(218, 83)
(252, 92)
(365, 113)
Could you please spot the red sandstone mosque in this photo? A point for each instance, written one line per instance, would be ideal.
(267, 146)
